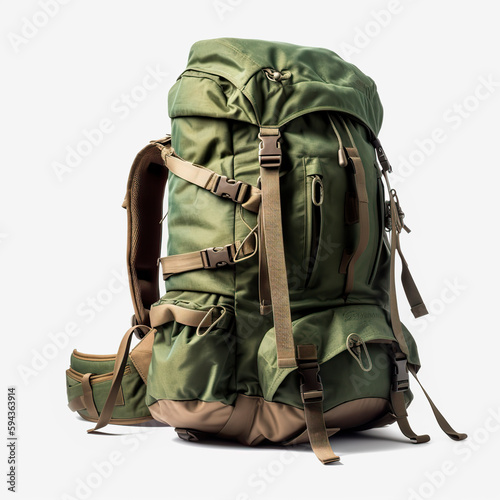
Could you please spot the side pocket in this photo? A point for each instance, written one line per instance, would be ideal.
(381, 229)
(315, 193)
(189, 363)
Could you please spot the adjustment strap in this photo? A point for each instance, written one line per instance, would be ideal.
(270, 161)
(354, 161)
(208, 258)
(118, 371)
(311, 390)
(399, 409)
(264, 286)
(397, 328)
(141, 354)
(395, 224)
(239, 192)
(443, 423)
(399, 384)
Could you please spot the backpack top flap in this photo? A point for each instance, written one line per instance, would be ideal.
(270, 83)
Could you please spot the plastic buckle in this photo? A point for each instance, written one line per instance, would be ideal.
(229, 188)
(186, 434)
(311, 388)
(400, 379)
(270, 150)
(382, 157)
(218, 256)
(401, 215)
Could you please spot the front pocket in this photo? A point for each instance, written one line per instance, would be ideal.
(314, 196)
(191, 363)
(328, 330)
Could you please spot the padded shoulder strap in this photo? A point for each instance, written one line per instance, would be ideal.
(144, 204)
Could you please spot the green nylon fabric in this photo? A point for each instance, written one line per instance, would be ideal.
(216, 107)
(224, 78)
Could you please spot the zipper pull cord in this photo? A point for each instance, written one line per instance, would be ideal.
(341, 153)
(353, 344)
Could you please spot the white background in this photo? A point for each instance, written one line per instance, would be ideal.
(62, 238)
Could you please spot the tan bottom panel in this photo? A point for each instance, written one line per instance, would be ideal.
(252, 419)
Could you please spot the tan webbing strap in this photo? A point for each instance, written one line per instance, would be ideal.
(165, 313)
(443, 423)
(239, 192)
(415, 300)
(399, 409)
(399, 384)
(311, 390)
(144, 204)
(141, 354)
(411, 291)
(77, 404)
(208, 258)
(358, 170)
(397, 328)
(264, 287)
(118, 370)
(88, 398)
(270, 161)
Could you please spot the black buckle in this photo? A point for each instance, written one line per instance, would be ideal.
(382, 157)
(188, 434)
(400, 378)
(230, 188)
(270, 150)
(218, 256)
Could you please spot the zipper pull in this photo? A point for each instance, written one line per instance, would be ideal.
(318, 191)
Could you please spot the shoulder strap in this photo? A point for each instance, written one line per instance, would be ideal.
(144, 204)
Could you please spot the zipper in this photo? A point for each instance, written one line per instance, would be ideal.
(381, 229)
(94, 379)
(317, 195)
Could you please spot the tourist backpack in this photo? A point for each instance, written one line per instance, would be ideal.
(280, 319)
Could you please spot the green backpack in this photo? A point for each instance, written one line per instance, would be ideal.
(280, 319)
